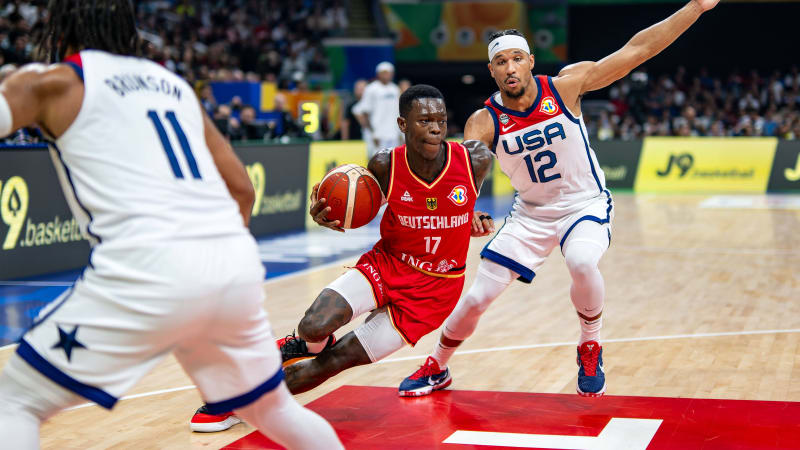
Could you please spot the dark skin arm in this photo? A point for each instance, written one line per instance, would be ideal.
(481, 158)
(49, 96)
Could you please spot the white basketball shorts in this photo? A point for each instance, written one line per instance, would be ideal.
(525, 241)
(201, 300)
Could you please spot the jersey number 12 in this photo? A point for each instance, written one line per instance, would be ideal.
(543, 178)
(187, 151)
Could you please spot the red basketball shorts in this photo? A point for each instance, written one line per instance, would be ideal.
(417, 302)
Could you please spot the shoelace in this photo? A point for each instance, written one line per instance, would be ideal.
(293, 345)
(589, 360)
(425, 370)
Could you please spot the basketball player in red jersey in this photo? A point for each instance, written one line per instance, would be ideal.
(412, 278)
(535, 128)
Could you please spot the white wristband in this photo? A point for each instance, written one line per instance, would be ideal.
(6, 122)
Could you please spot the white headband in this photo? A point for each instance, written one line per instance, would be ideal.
(506, 42)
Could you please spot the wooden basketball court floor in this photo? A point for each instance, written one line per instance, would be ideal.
(702, 302)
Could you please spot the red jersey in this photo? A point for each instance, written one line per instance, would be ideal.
(427, 226)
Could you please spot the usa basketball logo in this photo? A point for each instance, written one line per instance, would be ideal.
(549, 106)
(458, 195)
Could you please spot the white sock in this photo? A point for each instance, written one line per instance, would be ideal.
(442, 353)
(590, 330)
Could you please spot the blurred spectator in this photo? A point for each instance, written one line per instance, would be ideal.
(350, 127)
(252, 130)
(291, 128)
(378, 110)
(403, 85)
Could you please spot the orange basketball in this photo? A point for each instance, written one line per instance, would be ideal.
(353, 195)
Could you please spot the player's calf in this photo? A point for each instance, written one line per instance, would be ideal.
(591, 378)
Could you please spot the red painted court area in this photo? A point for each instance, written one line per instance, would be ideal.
(376, 418)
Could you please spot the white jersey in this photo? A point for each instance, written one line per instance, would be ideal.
(546, 154)
(382, 103)
(134, 165)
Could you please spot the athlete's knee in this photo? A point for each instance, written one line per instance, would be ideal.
(582, 259)
(327, 314)
(312, 330)
(475, 304)
(582, 268)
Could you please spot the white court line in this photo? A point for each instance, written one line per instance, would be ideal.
(572, 343)
(144, 394)
(711, 250)
(514, 347)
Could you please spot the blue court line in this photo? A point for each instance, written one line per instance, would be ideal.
(282, 255)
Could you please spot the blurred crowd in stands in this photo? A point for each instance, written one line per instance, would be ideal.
(682, 104)
(281, 41)
(211, 40)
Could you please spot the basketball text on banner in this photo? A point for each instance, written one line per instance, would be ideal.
(705, 165)
(324, 156)
(280, 193)
(38, 233)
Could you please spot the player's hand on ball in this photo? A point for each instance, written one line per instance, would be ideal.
(319, 211)
(707, 4)
(482, 224)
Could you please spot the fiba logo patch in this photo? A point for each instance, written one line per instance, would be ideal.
(458, 195)
(549, 106)
(504, 119)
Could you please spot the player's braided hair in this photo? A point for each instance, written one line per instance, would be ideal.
(508, 32)
(108, 25)
(416, 92)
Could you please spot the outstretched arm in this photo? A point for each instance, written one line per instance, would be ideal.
(575, 80)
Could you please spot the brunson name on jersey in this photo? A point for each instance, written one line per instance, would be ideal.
(124, 84)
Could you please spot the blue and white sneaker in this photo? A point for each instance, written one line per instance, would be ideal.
(591, 378)
(428, 378)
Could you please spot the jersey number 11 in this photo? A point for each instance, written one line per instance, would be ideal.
(187, 151)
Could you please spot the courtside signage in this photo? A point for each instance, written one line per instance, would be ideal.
(280, 200)
(705, 165)
(786, 168)
(38, 233)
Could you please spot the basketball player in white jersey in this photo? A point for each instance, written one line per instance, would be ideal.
(535, 128)
(173, 268)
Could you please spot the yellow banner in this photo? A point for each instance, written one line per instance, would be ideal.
(705, 164)
(324, 156)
